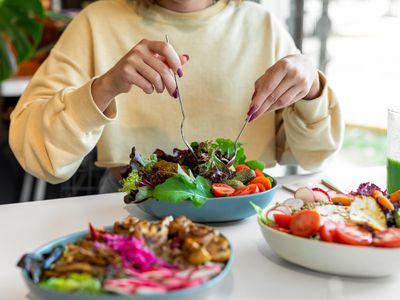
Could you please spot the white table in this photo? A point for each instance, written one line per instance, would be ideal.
(257, 273)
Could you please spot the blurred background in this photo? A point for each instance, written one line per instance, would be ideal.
(355, 42)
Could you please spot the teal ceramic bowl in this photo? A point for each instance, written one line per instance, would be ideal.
(223, 209)
(40, 293)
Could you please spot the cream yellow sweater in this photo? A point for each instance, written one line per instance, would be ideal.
(231, 44)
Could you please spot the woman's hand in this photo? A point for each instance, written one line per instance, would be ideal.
(290, 79)
(148, 66)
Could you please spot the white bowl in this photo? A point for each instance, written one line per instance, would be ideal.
(333, 258)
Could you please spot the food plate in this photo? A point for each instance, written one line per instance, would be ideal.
(37, 292)
(332, 258)
(221, 209)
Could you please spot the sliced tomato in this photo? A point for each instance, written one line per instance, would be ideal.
(327, 231)
(389, 238)
(222, 190)
(241, 191)
(241, 167)
(305, 223)
(353, 235)
(259, 173)
(246, 190)
(253, 188)
(261, 187)
(283, 220)
(264, 181)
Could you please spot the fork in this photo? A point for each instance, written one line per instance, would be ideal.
(233, 157)
(182, 111)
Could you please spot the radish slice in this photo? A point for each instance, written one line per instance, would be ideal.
(294, 203)
(306, 194)
(285, 209)
(270, 214)
(321, 195)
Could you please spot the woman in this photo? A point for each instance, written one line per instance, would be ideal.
(108, 83)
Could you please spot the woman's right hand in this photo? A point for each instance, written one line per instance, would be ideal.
(147, 65)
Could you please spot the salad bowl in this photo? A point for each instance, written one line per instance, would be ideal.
(354, 234)
(332, 258)
(38, 292)
(220, 209)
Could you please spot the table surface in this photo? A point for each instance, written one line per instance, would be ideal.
(257, 272)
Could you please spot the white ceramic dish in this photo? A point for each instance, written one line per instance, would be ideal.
(333, 258)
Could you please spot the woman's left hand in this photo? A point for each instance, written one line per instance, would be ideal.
(290, 79)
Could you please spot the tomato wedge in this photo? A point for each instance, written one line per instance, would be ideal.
(241, 167)
(283, 220)
(305, 223)
(389, 238)
(353, 235)
(264, 181)
(261, 187)
(327, 231)
(222, 190)
(259, 173)
(246, 190)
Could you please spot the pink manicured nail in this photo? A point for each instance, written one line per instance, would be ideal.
(252, 118)
(187, 56)
(180, 72)
(175, 94)
(252, 110)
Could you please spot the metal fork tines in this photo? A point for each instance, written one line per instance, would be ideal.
(232, 159)
(182, 111)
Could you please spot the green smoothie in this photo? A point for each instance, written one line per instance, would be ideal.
(393, 175)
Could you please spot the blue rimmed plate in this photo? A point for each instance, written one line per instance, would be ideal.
(37, 292)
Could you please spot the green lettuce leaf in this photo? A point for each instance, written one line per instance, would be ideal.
(131, 182)
(227, 146)
(144, 193)
(179, 188)
(261, 215)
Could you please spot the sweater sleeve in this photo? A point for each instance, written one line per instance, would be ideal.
(56, 122)
(308, 132)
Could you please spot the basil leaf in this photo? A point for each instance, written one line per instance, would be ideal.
(256, 165)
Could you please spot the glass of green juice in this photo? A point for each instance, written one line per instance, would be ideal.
(393, 150)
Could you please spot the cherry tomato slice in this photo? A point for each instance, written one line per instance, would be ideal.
(283, 220)
(222, 190)
(241, 167)
(261, 187)
(353, 235)
(241, 191)
(259, 173)
(327, 231)
(305, 223)
(389, 238)
(264, 181)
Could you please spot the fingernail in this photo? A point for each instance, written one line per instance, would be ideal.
(254, 94)
(252, 118)
(180, 72)
(187, 56)
(252, 110)
(175, 94)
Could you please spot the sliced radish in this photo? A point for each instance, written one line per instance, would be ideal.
(284, 208)
(270, 214)
(294, 203)
(306, 194)
(321, 195)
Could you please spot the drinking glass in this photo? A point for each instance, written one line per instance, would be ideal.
(393, 150)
